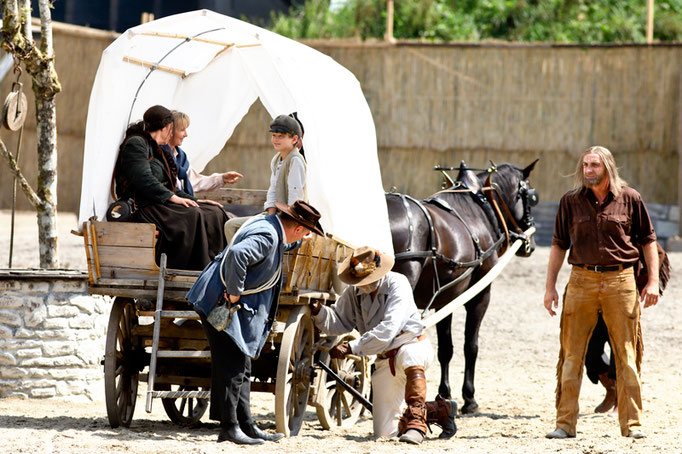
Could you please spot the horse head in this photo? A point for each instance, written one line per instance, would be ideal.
(519, 196)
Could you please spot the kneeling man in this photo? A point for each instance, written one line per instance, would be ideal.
(379, 304)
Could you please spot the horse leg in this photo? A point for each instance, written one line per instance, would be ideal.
(476, 309)
(445, 350)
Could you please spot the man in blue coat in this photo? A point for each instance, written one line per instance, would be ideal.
(238, 293)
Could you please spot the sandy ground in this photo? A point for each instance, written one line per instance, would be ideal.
(514, 387)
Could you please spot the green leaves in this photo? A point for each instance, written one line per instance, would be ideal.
(572, 21)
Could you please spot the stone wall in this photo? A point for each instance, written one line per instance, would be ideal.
(52, 335)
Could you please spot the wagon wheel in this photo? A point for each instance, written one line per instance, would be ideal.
(121, 371)
(183, 411)
(336, 407)
(294, 371)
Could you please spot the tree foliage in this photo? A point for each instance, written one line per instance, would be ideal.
(565, 21)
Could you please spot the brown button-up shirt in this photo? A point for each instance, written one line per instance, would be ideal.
(602, 234)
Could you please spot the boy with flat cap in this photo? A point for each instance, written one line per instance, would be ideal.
(288, 170)
(379, 304)
(244, 281)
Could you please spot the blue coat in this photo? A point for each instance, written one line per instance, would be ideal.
(254, 257)
(182, 164)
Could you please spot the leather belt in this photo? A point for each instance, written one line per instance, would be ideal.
(604, 268)
(390, 354)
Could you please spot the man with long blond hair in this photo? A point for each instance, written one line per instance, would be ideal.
(602, 221)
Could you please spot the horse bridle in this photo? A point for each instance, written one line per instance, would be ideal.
(529, 198)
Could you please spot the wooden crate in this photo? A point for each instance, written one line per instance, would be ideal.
(312, 267)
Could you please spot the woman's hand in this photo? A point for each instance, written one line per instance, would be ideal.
(210, 202)
(231, 177)
(182, 201)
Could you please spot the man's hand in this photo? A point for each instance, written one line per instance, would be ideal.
(650, 294)
(556, 259)
(315, 306)
(231, 177)
(340, 351)
(233, 298)
(551, 301)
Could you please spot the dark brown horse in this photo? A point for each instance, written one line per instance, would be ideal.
(446, 243)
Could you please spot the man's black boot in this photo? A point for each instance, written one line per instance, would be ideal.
(235, 435)
(253, 431)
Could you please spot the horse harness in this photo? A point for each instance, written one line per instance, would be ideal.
(486, 199)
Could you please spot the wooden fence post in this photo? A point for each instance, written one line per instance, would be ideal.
(389, 22)
(649, 21)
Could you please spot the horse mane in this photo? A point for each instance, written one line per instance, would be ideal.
(504, 177)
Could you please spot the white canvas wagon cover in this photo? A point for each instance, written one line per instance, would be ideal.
(214, 67)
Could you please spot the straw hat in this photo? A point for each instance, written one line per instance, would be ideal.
(364, 266)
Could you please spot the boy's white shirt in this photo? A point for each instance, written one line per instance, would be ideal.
(295, 183)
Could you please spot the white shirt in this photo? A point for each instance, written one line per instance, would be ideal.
(295, 183)
(386, 322)
(200, 182)
(205, 182)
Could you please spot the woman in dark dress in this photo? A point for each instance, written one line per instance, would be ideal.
(190, 230)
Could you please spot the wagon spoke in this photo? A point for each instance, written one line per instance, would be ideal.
(346, 406)
(125, 321)
(339, 415)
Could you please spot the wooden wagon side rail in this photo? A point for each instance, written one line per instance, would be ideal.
(120, 258)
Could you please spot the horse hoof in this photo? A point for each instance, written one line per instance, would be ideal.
(469, 409)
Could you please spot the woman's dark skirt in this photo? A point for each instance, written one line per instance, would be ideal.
(191, 237)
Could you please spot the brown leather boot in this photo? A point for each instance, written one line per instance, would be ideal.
(442, 413)
(412, 424)
(611, 398)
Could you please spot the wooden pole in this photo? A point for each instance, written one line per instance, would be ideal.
(389, 22)
(649, 21)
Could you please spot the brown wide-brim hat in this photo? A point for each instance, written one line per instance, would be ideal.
(303, 213)
(364, 266)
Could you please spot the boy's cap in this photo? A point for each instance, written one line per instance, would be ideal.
(285, 124)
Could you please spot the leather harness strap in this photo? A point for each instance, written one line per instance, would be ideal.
(489, 195)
